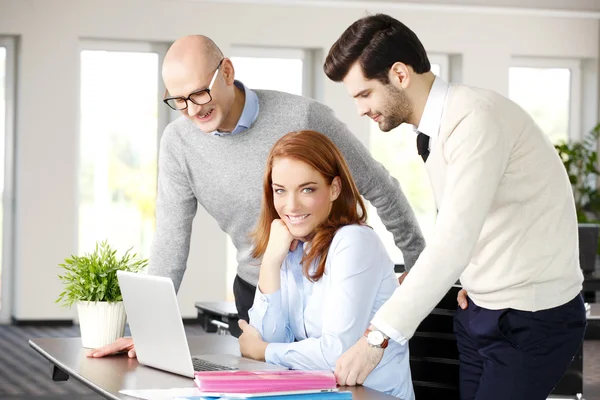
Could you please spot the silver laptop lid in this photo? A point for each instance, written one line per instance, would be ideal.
(155, 322)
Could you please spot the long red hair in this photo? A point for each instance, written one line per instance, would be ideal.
(318, 151)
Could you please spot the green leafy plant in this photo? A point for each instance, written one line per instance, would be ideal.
(581, 162)
(93, 277)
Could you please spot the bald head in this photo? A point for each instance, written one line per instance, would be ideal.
(190, 61)
(189, 56)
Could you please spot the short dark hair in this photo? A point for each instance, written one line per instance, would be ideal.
(376, 42)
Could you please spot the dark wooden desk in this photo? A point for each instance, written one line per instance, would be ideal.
(109, 375)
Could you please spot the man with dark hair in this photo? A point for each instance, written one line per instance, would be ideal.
(214, 155)
(506, 223)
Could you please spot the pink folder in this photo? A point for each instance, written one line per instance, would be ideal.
(263, 381)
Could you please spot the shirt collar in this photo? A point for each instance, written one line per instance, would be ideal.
(249, 112)
(434, 107)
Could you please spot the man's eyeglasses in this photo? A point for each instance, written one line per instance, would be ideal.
(199, 97)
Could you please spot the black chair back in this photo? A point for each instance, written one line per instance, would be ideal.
(433, 353)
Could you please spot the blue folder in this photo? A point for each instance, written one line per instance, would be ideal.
(307, 396)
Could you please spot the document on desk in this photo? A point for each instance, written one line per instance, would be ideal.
(195, 394)
(163, 394)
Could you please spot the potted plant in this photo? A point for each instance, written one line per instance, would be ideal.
(91, 283)
(581, 162)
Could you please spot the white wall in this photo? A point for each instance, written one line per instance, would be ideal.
(47, 126)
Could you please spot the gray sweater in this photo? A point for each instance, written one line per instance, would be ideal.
(224, 174)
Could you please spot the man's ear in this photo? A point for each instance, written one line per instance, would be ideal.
(399, 75)
(228, 71)
(336, 188)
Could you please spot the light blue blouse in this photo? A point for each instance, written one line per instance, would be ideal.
(308, 325)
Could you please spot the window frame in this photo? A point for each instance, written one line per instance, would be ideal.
(10, 44)
(443, 60)
(306, 55)
(164, 114)
(575, 91)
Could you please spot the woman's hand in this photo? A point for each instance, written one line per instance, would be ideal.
(281, 242)
(251, 343)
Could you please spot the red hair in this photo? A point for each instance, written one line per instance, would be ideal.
(318, 151)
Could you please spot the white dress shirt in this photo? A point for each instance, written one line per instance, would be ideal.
(310, 324)
(432, 113)
(506, 223)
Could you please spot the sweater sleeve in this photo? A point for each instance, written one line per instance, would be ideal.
(176, 207)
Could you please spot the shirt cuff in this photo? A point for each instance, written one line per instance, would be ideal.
(393, 334)
(275, 353)
(264, 306)
(263, 301)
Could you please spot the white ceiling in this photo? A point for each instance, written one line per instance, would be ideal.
(567, 8)
(567, 5)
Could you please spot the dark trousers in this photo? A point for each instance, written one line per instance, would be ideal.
(244, 297)
(511, 354)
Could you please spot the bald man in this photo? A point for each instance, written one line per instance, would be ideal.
(215, 155)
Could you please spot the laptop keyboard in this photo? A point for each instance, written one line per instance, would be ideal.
(203, 365)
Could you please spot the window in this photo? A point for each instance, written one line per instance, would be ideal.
(397, 151)
(7, 96)
(550, 91)
(285, 70)
(119, 132)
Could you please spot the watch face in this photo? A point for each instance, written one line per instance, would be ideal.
(375, 338)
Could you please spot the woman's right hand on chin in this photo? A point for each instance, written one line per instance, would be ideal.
(281, 242)
(120, 345)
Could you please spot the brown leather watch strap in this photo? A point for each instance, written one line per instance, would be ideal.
(385, 342)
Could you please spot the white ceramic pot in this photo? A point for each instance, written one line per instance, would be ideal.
(100, 322)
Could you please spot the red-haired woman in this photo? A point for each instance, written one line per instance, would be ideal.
(324, 272)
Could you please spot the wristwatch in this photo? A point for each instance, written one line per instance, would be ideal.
(376, 338)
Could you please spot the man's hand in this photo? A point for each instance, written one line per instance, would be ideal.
(353, 367)
(251, 343)
(462, 299)
(120, 345)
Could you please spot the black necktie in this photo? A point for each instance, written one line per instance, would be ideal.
(423, 145)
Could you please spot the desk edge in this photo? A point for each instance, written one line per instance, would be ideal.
(72, 373)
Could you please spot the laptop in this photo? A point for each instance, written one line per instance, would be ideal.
(158, 333)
